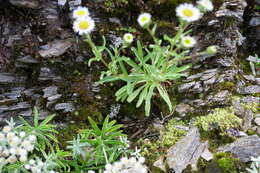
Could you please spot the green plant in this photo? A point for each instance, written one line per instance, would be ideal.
(255, 165)
(42, 130)
(23, 147)
(146, 69)
(226, 162)
(220, 119)
(94, 148)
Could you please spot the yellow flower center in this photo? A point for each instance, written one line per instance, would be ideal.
(187, 41)
(81, 13)
(144, 19)
(187, 12)
(129, 37)
(84, 25)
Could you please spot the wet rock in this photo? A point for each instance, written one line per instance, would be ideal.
(257, 121)
(54, 49)
(7, 78)
(207, 155)
(234, 9)
(25, 3)
(15, 93)
(28, 60)
(160, 164)
(73, 4)
(239, 110)
(65, 107)
(198, 87)
(244, 148)
(221, 97)
(62, 3)
(210, 81)
(50, 91)
(7, 101)
(226, 61)
(19, 106)
(250, 99)
(186, 86)
(255, 21)
(192, 77)
(47, 74)
(247, 119)
(253, 89)
(182, 109)
(186, 151)
(54, 97)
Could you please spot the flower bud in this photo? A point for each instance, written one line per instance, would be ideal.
(211, 50)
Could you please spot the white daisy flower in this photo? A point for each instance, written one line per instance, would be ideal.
(32, 138)
(23, 158)
(12, 159)
(206, 5)
(22, 134)
(7, 129)
(91, 171)
(2, 136)
(27, 166)
(128, 38)
(144, 19)
(188, 12)
(188, 41)
(84, 25)
(80, 12)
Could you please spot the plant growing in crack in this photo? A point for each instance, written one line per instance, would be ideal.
(148, 68)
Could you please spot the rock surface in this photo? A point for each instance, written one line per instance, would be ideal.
(54, 49)
(244, 148)
(186, 151)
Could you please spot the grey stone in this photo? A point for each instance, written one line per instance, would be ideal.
(186, 86)
(186, 128)
(182, 109)
(160, 164)
(210, 81)
(244, 148)
(47, 74)
(239, 110)
(65, 107)
(25, 3)
(221, 97)
(28, 59)
(253, 59)
(249, 78)
(207, 155)
(7, 101)
(198, 87)
(50, 91)
(247, 119)
(232, 9)
(226, 61)
(54, 49)
(54, 97)
(257, 121)
(208, 75)
(192, 77)
(62, 3)
(255, 21)
(7, 78)
(15, 93)
(186, 151)
(253, 89)
(250, 99)
(73, 4)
